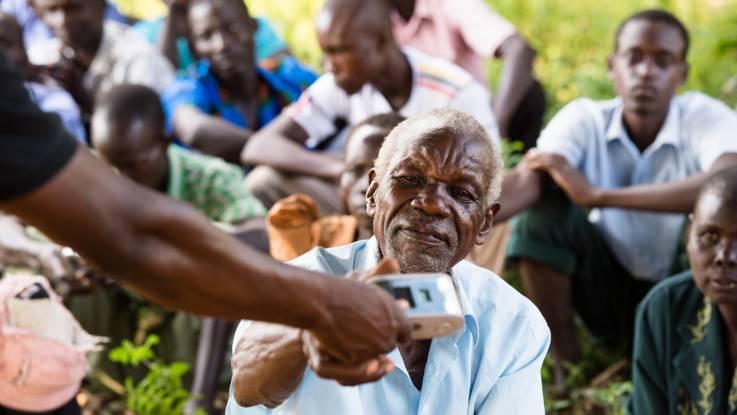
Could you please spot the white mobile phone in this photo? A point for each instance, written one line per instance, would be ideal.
(434, 309)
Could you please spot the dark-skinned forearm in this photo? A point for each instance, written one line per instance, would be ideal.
(209, 134)
(286, 155)
(169, 252)
(521, 188)
(268, 365)
(675, 196)
(174, 27)
(516, 79)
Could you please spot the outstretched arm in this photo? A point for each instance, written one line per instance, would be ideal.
(177, 258)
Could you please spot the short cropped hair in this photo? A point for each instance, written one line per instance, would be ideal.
(385, 122)
(657, 15)
(444, 120)
(124, 104)
(723, 183)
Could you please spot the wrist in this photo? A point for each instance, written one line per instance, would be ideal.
(601, 197)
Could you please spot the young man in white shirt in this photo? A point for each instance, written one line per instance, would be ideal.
(637, 162)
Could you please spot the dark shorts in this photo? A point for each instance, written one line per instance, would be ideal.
(557, 233)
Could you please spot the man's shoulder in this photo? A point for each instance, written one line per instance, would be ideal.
(438, 74)
(697, 107)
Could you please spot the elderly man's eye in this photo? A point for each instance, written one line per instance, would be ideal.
(408, 180)
(461, 193)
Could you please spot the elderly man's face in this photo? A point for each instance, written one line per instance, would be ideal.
(429, 208)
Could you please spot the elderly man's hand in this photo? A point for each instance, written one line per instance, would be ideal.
(344, 373)
(368, 334)
(578, 189)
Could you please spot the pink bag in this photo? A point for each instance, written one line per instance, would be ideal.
(42, 347)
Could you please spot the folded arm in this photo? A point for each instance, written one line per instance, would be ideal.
(281, 146)
(674, 196)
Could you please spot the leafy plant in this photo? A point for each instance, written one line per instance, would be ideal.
(160, 391)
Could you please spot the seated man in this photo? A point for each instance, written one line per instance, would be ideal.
(369, 74)
(466, 32)
(44, 92)
(92, 55)
(294, 223)
(230, 96)
(432, 196)
(686, 332)
(637, 161)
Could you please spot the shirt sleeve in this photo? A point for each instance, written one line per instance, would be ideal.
(711, 126)
(318, 108)
(34, 146)
(519, 389)
(649, 377)
(568, 131)
(481, 28)
(475, 100)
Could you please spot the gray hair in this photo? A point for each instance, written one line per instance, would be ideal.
(450, 120)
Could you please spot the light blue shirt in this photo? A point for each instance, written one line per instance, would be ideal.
(492, 366)
(592, 137)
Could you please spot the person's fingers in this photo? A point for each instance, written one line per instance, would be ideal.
(384, 267)
(351, 375)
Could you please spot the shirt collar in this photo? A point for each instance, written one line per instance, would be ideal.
(370, 258)
(670, 132)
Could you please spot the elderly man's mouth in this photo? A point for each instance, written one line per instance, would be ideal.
(426, 237)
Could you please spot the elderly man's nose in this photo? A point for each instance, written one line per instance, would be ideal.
(431, 200)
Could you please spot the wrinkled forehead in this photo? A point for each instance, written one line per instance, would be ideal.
(441, 148)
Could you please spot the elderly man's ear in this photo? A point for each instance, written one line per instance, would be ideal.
(486, 225)
(370, 192)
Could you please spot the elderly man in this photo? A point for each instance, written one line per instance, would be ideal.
(432, 196)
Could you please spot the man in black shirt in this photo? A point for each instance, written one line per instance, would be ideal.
(171, 253)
